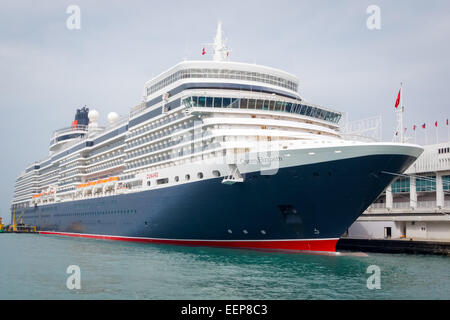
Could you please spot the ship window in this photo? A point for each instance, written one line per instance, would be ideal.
(209, 102)
(187, 177)
(201, 101)
(217, 102)
(308, 111)
(148, 183)
(288, 107)
(186, 102)
(278, 106)
(226, 102)
(315, 113)
(259, 104)
(272, 105)
(216, 173)
(177, 179)
(200, 175)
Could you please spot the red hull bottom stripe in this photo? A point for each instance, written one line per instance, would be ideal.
(328, 245)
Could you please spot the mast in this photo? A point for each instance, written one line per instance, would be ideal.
(220, 49)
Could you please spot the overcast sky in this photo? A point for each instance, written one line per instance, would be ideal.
(47, 70)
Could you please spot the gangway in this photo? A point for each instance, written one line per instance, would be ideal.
(234, 176)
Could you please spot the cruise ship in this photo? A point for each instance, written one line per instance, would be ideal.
(219, 153)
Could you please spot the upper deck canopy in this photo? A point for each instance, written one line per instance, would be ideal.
(225, 70)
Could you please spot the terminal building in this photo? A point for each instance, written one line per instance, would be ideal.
(415, 206)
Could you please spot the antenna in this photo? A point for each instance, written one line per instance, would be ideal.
(220, 49)
(219, 44)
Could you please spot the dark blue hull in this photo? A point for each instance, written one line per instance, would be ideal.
(309, 202)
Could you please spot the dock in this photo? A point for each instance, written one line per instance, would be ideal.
(16, 228)
(411, 246)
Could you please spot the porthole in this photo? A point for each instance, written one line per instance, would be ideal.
(177, 179)
(245, 231)
(200, 175)
(149, 183)
(263, 231)
(230, 231)
(162, 181)
(216, 173)
(187, 177)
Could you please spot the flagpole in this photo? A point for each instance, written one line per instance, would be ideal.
(401, 113)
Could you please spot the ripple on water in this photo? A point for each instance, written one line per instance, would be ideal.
(34, 267)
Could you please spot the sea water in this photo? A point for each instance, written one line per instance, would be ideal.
(36, 266)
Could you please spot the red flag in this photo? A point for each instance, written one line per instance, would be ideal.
(423, 126)
(203, 52)
(397, 102)
(414, 128)
(74, 124)
(447, 121)
(435, 124)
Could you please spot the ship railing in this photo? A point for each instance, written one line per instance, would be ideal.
(154, 126)
(122, 119)
(103, 158)
(401, 205)
(357, 137)
(104, 149)
(70, 143)
(137, 109)
(427, 204)
(379, 205)
(70, 129)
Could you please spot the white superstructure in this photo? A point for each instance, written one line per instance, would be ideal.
(198, 120)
